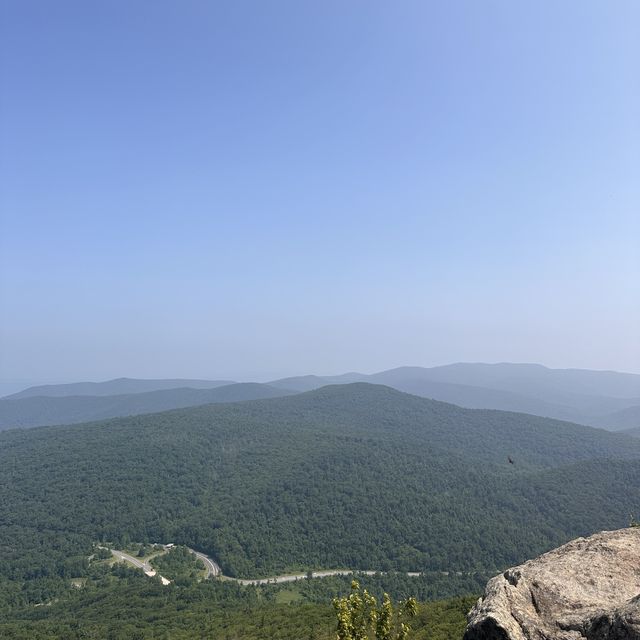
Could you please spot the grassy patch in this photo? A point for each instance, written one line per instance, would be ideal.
(287, 596)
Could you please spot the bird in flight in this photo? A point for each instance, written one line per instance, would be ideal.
(510, 460)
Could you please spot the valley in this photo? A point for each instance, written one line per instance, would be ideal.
(319, 320)
(358, 476)
(213, 570)
(408, 494)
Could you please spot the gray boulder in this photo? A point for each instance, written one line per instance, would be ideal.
(588, 588)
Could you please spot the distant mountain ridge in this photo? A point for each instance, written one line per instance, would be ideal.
(627, 419)
(519, 378)
(34, 411)
(118, 386)
(605, 399)
(347, 475)
(594, 398)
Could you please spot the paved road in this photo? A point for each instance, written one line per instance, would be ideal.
(145, 566)
(314, 574)
(212, 567)
(125, 557)
(214, 570)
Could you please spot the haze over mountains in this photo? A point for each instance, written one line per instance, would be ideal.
(37, 410)
(604, 399)
(354, 475)
(587, 397)
(118, 386)
(634, 431)
(351, 475)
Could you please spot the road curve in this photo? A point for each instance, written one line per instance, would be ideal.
(214, 570)
(121, 556)
(212, 567)
(125, 557)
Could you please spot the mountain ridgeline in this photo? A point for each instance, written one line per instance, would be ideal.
(606, 399)
(597, 398)
(359, 476)
(33, 411)
(118, 386)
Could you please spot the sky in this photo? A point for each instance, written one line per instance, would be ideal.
(257, 189)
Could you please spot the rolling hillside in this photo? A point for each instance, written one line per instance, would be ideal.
(625, 419)
(358, 476)
(33, 411)
(603, 399)
(596, 398)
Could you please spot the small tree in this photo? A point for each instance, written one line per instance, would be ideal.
(360, 618)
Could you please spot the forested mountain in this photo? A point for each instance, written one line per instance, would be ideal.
(537, 380)
(357, 476)
(596, 398)
(624, 419)
(119, 386)
(635, 432)
(311, 382)
(43, 410)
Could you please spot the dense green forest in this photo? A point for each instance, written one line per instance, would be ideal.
(179, 565)
(356, 476)
(634, 431)
(121, 604)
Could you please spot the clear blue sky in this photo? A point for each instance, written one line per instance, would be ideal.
(247, 189)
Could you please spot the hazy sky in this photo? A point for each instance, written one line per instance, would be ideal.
(248, 189)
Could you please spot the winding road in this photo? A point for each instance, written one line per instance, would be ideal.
(214, 571)
(212, 567)
(293, 577)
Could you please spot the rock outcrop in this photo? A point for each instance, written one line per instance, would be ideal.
(586, 589)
